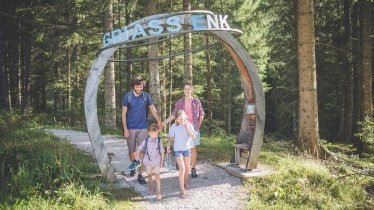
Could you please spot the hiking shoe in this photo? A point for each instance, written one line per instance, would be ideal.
(141, 179)
(193, 173)
(134, 165)
(132, 173)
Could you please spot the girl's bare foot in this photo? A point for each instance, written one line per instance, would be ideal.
(183, 195)
(159, 197)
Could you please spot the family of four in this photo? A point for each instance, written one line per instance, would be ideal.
(188, 115)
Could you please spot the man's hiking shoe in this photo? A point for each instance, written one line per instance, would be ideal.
(134, 165)
(193, 173)
(141, 179)
(132, 173)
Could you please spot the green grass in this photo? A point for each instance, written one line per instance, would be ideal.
(300, 182)
(38, 171)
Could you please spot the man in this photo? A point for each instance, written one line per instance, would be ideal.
(134, 119)
(195, 115)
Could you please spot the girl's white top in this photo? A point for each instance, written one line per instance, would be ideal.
(182, 141)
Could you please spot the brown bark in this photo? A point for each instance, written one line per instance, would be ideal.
(109, 74)
(308, 134)
(154, 74)
(348, 76)
(26, 73)
(4, 99)
(209, 87)
(187, 46)
(366, 59)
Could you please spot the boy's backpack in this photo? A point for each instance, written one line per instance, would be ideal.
(146, 146)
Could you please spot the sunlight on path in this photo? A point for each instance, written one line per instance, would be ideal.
(213, 189)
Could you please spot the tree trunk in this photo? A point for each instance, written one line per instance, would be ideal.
(4, 99)
(128, 50)
(170, 81)
(163, 82)
(154, 75)
(308, 134)
(209, 87)
(366, 59)
(357, 73)
(228, 100)
(348, 81)
(57, 92)
(109, 74)
(187, 46)
(26, 73)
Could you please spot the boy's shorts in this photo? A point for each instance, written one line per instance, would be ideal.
(136, 136)
(196, 140)
(151, 170)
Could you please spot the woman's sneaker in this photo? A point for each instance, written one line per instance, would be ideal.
(193, 173)
(134, 165)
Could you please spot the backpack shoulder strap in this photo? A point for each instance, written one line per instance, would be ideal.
(159, 144)
(129, 98)
(145, 98)
(146, 147)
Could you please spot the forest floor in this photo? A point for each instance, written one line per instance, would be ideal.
(213, 189)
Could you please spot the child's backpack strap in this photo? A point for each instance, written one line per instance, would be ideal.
(159, 144)
(146, 148)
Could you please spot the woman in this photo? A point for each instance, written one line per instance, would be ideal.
(195, 115)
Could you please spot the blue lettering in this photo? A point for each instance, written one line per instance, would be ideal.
(198, 22)
(116, 34)
(174, 21)
(125, 34)
(138, 30)
(106, 39)
(155, 24)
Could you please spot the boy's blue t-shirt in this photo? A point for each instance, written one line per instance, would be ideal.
(136, 117)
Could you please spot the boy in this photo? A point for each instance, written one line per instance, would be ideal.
(153, 150)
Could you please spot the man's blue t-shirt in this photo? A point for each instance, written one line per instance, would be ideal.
(136, 117)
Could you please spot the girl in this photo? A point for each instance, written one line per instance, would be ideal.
(183, 133)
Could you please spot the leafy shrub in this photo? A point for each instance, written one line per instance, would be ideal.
(366, 134)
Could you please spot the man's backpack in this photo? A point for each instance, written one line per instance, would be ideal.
(145, 98)
(146, 146)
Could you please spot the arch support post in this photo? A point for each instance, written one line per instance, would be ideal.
(92, 121)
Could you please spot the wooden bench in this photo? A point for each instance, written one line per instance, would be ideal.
(242, 154)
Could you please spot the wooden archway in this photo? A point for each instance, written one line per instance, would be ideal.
(253, 121)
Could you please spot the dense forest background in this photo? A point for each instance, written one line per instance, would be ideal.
(47, 48)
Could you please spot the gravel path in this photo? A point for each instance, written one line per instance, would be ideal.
(213, 189)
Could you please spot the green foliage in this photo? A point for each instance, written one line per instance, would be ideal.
(302, 183)
(39, 171)
(366, 134)
(217, 147)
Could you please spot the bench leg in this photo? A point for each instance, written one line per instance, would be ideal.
(237, 155)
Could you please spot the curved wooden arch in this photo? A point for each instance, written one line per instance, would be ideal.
(252, 130)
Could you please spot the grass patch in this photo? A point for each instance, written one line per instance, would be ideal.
(300, 182)
(217, 148)
(38, 171)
